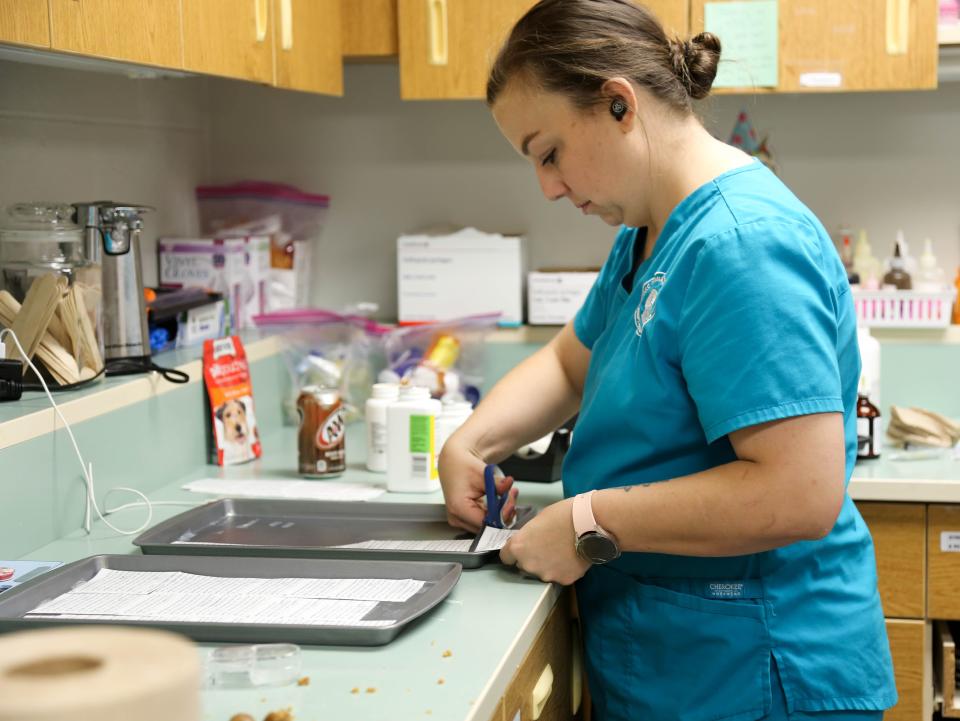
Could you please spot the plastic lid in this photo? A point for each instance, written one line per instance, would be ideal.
(414, 393)
(24, 221)
(385, 390)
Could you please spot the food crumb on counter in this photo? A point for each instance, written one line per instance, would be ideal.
(241, 717)
(283, 715)
(355, 690)
(429, 712)
(448, 653)
(371, 689)
(440, 681)
(305, 681)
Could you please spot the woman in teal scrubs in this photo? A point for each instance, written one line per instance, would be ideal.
(714, 367)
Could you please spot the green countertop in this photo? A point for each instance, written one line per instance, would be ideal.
(487, 623)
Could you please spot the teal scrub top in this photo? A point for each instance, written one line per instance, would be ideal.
(741, 315)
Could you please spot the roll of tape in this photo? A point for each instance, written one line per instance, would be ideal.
(98, 673)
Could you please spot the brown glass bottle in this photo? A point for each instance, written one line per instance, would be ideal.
(897, 276)
(868, 428)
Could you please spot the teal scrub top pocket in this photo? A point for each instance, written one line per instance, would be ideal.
(666, 654)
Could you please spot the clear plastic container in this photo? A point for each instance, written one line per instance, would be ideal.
(36, 239)
(267, 664)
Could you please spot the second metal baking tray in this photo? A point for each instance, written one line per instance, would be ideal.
(312, 529)
(439, 579)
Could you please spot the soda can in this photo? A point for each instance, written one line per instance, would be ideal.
(322, 434)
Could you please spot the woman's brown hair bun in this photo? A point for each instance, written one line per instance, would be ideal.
(695, 63)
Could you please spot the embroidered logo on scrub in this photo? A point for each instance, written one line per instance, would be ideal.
(648, 301)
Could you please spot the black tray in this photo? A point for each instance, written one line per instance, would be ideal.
(439, 578)
(312, 529)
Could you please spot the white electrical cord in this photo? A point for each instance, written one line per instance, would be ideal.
(87, 469)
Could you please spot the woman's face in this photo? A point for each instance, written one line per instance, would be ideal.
(580, 155)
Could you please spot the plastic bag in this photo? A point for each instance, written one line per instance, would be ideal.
(326, 348)
(291, 218)
(446, 357)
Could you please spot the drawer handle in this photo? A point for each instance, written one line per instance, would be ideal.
(898, 26)
(541, 692)
(260, 19)
(286, 24)
(576, 669)
(437, 11)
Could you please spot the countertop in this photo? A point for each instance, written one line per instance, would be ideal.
(487, 624)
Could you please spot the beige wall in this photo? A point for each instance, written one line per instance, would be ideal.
(880, 161)
(71, 135)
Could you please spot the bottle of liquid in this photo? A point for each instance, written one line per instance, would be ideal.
(909, 261)
(865, 264)
(930, 276)
(453, 415)
(868, 428)
(956, 305)
(897, 276)
(846, 254)
(383, 395)
(411, 442)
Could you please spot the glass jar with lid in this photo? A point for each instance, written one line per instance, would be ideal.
(40, 238)
(36, 239)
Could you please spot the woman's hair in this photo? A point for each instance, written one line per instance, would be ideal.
(574, 46)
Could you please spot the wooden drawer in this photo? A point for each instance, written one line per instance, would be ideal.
(912, 667)
(945, 669)
(899, 537)
(554, 646)
(943, 566)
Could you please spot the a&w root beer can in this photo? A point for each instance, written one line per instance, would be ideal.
(322, 432)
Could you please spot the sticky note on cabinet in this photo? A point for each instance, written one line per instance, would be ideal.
(749, 38)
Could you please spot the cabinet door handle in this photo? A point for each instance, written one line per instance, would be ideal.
(541, 692)
(898, 27)
(286, 24)
(437, 12)
(260, 11)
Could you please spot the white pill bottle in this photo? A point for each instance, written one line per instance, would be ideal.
(453, 415)
(375, 415)
(411, 442)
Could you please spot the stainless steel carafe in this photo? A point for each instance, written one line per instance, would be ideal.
(112, 239)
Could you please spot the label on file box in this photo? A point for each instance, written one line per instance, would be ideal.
(950, 541)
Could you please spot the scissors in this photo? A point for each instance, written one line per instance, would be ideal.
(495, 502)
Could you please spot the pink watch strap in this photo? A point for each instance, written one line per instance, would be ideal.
(583, 520)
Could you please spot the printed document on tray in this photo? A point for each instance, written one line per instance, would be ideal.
(187, 597)
(285, 488)
(454, 546)
(493, 539)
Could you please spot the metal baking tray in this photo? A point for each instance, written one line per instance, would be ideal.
(439, 578)
(312, 529)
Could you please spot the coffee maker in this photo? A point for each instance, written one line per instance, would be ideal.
(112, 240)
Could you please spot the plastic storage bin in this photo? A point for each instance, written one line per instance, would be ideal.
(903, 308)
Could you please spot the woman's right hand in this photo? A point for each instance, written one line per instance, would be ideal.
(461, 477)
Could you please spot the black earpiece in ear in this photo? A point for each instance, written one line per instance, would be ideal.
(618, 109)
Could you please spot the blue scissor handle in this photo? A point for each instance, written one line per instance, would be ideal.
(495, 502)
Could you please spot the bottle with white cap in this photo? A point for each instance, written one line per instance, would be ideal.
(382, 396)
(411, 442)
(930, 276)
(453, 415)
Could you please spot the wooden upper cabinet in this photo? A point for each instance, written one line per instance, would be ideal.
(447, 46)
(673, 14)
(148, 33)
(233, 38)
(308, 52)
(370, 28)
(842, 45)
(25, 22)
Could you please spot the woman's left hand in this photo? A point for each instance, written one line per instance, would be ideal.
(546, 546)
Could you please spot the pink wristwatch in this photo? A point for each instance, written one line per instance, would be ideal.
(594, 543)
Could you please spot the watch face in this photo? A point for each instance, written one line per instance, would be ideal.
(597, 548)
